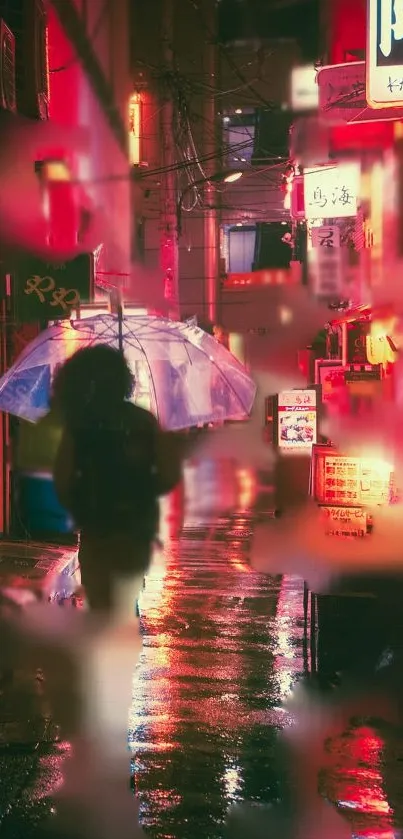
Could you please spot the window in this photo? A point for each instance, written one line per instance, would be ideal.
(241, 249)
(238, 138)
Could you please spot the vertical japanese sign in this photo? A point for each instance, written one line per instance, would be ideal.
(332, 191)
(326, 237)
(384, 83)
(297, 420)
(325, 268)
(47, 291)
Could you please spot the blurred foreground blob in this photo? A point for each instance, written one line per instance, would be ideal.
(44, 210)
(88, 665)
(299, 543)
(294, 321)
(261, 823)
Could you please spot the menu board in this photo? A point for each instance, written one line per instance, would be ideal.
(350, 481)
(297, 420)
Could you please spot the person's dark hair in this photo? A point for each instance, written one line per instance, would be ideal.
(94, 379)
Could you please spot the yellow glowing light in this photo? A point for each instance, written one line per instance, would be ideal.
(232, 177)
(134, 129)
(380, 345)
(246, 488)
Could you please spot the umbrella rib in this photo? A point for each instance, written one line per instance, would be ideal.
(140, 346)
(212, 360)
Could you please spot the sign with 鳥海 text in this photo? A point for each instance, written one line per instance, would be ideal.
(45, 291)
(332, 191)
(384, 83)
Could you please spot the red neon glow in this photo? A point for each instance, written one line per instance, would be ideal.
(265, 277)
(356, 782)
(63, 84)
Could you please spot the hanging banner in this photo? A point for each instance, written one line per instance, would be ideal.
(45, 291)
(384, 83)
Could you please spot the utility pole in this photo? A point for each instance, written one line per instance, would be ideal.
(211, 221)
(169, 253)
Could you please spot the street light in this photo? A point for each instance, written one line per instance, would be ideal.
(223, 177)
(232, 177)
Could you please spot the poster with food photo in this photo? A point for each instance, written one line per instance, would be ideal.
(297, 420)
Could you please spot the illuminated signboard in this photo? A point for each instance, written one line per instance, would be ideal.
(350, 481)
(332, 191)
(384, 83)
(134, 129)
(297, 420)
(304, 88)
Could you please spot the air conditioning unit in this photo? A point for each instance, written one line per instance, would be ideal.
(8, 100)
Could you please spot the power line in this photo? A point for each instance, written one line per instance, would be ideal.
(229, 59)
(93, 36)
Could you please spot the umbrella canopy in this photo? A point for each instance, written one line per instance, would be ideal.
(184, 376)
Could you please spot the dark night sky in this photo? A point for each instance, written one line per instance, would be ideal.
(273, 19)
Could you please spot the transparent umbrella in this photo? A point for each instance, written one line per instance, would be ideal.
(184, 376)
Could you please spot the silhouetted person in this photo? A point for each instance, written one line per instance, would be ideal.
(113, 463)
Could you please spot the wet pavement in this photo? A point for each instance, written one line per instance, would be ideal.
(223, 647)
